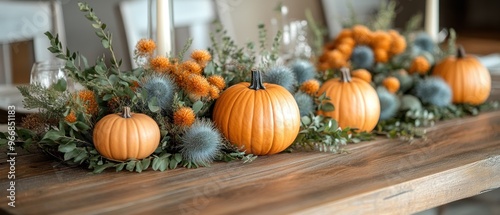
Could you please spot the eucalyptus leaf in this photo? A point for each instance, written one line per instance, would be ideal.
(197, 106)
(153, 105)
(66, 147)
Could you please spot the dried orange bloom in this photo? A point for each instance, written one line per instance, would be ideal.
(214, 92)
(347, 41)
(381, 40)
(398, 42)
(87, 97)
(197, 86)
(335, 59)
(134, 85)
(323, 66)
(310, 86)
(71, 117)
(159, 64)
(345, 49)
(419, 65)
(192, 67)
(184, 117)
(381, 55)
(361, 34)
(217, 81)
(145, 47)
(201, 56)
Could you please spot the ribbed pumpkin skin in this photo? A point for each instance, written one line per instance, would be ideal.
(356, 103)
(264, 121)
(118, 138)
(469, 80)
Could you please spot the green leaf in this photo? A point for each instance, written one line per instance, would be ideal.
(306, 120)
(138, 167)
(113, 79)
(101, 168)
(70, 155)
(61, 85)
(96, 26)
(107, 97)
(197, 106)
(82, 126)
(120, 167)
(153, 105)
(105, 43)
(145, 163)
(52, 135)
(327, 107)
(130, 166)
(178, 157)
(66, 147)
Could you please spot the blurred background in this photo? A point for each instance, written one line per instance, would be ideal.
(23, 23)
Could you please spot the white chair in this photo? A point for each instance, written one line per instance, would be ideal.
(196, 15)
(27, 20)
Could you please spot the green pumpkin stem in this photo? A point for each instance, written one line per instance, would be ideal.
(460, 51)
(345, 75)
(256, 83)
(126, 112)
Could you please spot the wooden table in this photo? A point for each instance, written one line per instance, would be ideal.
(457, 159)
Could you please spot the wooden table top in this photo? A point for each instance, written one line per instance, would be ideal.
(458, 158)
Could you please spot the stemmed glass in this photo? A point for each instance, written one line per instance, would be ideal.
(48, 73)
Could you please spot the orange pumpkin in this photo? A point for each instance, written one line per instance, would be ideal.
(362, 74)
(391, 84)
(356, 102)
(126, 136)
(469, 80)
(264, 118)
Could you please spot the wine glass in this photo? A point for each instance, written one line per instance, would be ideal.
(48, 73)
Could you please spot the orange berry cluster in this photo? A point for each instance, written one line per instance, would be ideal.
(384, 44)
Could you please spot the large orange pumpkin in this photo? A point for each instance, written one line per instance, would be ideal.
(469, 80)
(356, 102)
(264, 118)
(126, 136)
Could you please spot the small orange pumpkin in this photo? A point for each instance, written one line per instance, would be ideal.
(391, 84)
(363, 74)
(262, 117)
(126, 136)
(469, 80)
(356, 102)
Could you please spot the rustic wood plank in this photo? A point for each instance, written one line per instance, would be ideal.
(459, 158)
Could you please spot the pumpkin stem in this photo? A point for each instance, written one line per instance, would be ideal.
(126, 112)
(345, 76)
(256, 83)
(460, 51)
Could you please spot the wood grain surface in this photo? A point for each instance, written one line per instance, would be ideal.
(457, 159)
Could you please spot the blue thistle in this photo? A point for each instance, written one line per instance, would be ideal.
(161, 87)
(305, 103)
(362, 57)
(434, 91)
(201, 143)
(303, 70)
(424, 42)
(389, 103)
(280, 75)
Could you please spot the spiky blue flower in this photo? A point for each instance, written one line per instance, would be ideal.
(280, 75)
(425, 42)
(160, 87)
(389, 103)
(201, 143)
(362, 57)
(305, 103)
(433, 91)
(303, 70)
